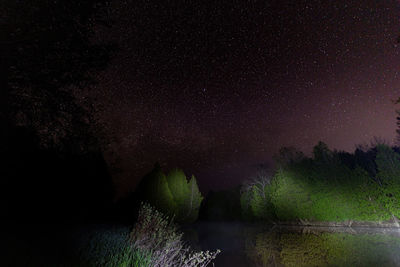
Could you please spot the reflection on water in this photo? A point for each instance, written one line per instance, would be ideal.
(257, 245)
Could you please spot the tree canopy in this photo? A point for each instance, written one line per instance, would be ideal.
(47, 47)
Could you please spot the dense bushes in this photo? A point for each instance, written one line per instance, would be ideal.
(172, 194)
(321, 194)
(155, 235)
(255, 199)
(186, 195)
(331, 186)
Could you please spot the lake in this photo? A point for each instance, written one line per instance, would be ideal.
(260, 245)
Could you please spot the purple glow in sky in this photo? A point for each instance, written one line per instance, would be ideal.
(216, 88)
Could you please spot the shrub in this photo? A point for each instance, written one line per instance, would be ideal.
(178, 186)
(157, 235)
(256, 197)
(193, 201)
(290, 196)
(154, 189)
(172, 194)
(186, 195)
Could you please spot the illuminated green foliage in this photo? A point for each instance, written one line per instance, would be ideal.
(154, 189)
(326, 193)
(186, 195)
(172, 194)
(289, 196)
(178, 185)
(194, 200)
(330, 187)
(260, 203)
(255, 199)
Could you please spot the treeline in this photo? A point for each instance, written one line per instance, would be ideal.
(330, 186)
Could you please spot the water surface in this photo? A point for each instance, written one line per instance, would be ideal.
(260, 245)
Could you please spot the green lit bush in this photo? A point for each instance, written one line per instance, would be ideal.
(173, 194)
(186, 195)
(329, 187)
(255, 198)
(156, 235)
(154, 189)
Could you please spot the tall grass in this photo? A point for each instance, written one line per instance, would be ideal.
(108, 247)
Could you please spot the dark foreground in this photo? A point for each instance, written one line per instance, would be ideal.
(241, 245)
(62, 244)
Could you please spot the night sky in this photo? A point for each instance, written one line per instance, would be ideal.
(217, 87)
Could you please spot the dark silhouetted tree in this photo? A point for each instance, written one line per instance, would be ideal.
(287, 156)
(51, 163)
(321, 153)
(398, 126)
(48, 46)
(388, 163)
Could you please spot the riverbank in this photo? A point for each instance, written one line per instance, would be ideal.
(392, 223)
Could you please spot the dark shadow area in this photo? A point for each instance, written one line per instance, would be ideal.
(45, 185)
(221, 206)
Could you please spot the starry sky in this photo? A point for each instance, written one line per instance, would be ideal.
(217, 87)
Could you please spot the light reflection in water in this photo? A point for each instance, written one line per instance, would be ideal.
(258, 245)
